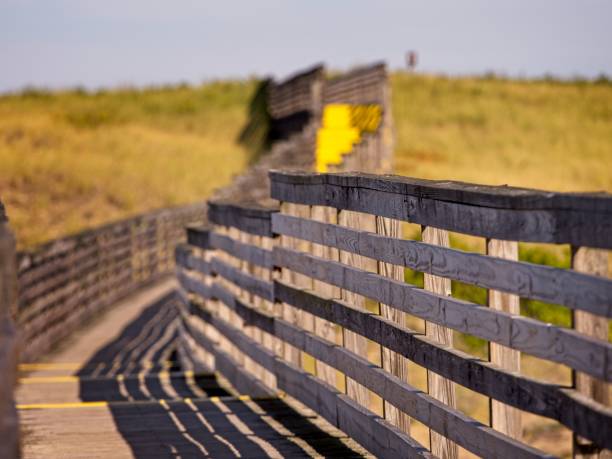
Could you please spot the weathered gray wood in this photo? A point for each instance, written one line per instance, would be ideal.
(372, 432)
(250, 253)
(199, 236)
(465, 431)
(249, 217)
(353, 341)
(544, 283)
(438, 387)
(562, 218)
(531, 336)
(186, 258)
(391, 361)
(502, 197)
(594, 262)
(504, 418)
(9, 422)
(556, 402)
(233, 371)
(262, 321)
(324, 328)
(259, 354)
(288, 312)
(193, 285)
(245, 281)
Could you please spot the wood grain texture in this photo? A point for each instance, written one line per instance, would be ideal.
(527, 280)
(288, 312)
(245, 251)
(594, 262)
(372, 432)
(467, 432)
(491, 212)
(250, 217)
(504, 418)
(438, 387)
(392, 362)
(245, 281)
(323, 328)
(352, 341)
(542, 340)
(553, 401)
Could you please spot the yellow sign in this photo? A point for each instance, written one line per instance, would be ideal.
(341, 128)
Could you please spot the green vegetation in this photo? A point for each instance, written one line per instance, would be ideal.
(73, 159)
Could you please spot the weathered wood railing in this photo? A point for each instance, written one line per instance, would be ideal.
(9, 438)
(63, 283)
(310, 299)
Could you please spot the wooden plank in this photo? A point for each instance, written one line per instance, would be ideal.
(527, 280)
(465, 431)
(246, 252)
(553, 401)
(289, 313)
(260, 320)
(594, 262)
(501, 197)
(504, 418)
(438, 387)
(252, 218)
(245, 281)
(352, 341)
(323, 328)
(392, 362)
(568, 219)
(542, 340)
(367, 429)
(9, 422)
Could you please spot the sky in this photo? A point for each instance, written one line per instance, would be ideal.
(67, 43)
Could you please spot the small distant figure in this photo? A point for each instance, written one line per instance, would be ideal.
(411, 60)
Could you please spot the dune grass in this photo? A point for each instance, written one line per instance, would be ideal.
(536, 134)
(72, 160)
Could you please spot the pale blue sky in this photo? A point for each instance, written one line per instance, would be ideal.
(60, 43)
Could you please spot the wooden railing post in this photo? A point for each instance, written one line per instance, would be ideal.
(391, 361)
(352, 341)
(9, 425)
(595, 262)
(289, 313)
(437, 386)
(504, 418)
(323, 328)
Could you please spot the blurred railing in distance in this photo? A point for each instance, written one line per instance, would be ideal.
(67, 281)
(308, 297)
(9, 424)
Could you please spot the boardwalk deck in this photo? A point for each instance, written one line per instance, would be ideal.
(116, 390)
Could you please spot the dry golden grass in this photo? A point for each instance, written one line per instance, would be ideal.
(535, 134)
(74, 160)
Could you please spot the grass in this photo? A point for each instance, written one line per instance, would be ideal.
(72, 160)
(536, 134)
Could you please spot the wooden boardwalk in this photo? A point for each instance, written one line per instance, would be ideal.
(116, 390)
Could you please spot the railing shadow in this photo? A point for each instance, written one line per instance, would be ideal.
(161, 411)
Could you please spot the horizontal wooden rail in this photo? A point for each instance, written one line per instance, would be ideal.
(65, 282)
(542, 340)
(466, 431)
(492, 212)
(528, 280)
(372, 432)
